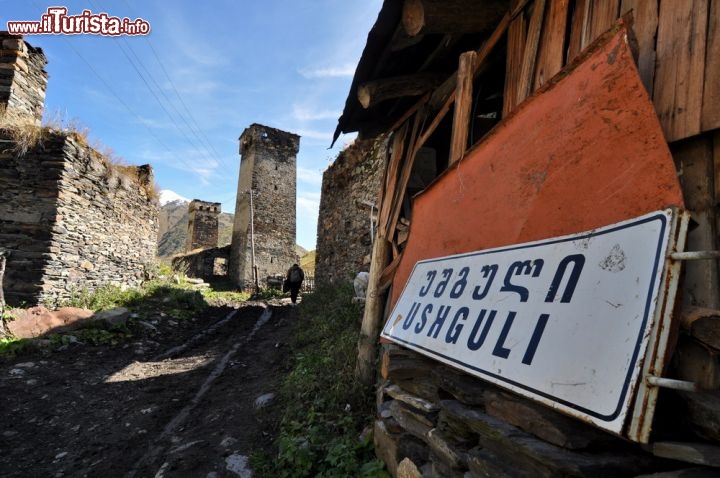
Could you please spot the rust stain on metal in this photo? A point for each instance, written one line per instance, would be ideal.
(600, 173)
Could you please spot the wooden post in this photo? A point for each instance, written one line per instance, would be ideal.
(463, 106)
(2, 293)
(372, 317)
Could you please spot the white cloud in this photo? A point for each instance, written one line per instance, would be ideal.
(305, 113)
(308, 204)
(309, 176)
(312, 134)
(342, 71)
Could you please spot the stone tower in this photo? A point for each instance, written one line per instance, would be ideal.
(268, 171)
(202, 225)
(23, 79)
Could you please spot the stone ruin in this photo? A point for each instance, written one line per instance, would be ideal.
(69, 219)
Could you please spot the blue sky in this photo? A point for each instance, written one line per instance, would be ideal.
(283, 63)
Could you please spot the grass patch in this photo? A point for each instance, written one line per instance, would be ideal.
(323, 408)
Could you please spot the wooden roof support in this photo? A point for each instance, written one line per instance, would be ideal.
(450, 16)
(377, 91)
(463, 105)
(482, 54)
(527, 72)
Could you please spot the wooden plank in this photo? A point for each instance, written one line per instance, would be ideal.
(530, 54)
(402, 182)
(679, 77)
(703, 325)
(578, 30)
(711, 94)
(552, 45)
(516, 45)
(645, 15)
(695, 160)
(391, 175)
(698, 453)
(463, 106)
(603, 15)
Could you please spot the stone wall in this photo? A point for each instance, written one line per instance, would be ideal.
(202, 225)
(207, 264)
(23, 78)
(349, 186)
(268, 169)
(71, 220)
(433, 420)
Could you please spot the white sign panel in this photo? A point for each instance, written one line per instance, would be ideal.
(563, 321)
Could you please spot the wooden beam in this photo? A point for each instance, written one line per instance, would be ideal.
(702, 324)
(711, 94)
(376, 91)
(463, 106)
(450, 16)
(482, 54)
(391, 177)
(530, 54)
(694, 158)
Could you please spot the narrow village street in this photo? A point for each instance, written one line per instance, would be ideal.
(182, 398)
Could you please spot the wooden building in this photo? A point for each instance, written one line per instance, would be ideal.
(535, 119)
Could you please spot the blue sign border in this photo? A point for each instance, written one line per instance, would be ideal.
(660, 216)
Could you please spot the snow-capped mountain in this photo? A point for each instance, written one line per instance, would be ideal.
(168, 196)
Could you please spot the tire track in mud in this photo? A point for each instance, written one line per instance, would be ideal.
(158, 446)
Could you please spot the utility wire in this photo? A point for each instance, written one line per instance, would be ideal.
(142, 77)
(197, 131)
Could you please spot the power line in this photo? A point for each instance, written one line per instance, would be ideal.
(197, 131)
(142, 77)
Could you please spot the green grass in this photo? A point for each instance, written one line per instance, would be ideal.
(324, 409)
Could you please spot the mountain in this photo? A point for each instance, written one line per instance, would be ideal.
(173, 222)
(168, 196)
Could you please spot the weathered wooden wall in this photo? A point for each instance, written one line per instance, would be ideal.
(435, 421)
(677, 43)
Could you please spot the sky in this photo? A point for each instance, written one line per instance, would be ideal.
(179, 97)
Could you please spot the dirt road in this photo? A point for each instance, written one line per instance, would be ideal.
(179, 400)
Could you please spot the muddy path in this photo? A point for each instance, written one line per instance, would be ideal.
(179, 400)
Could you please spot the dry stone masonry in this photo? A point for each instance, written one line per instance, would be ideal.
(350, 190)
(202, 225)
(72, 221)
(268, 172)
(69, 219)
(23, 78)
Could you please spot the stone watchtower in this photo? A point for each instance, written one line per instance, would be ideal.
(268, 171)
(23, 78)
(202, 225)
